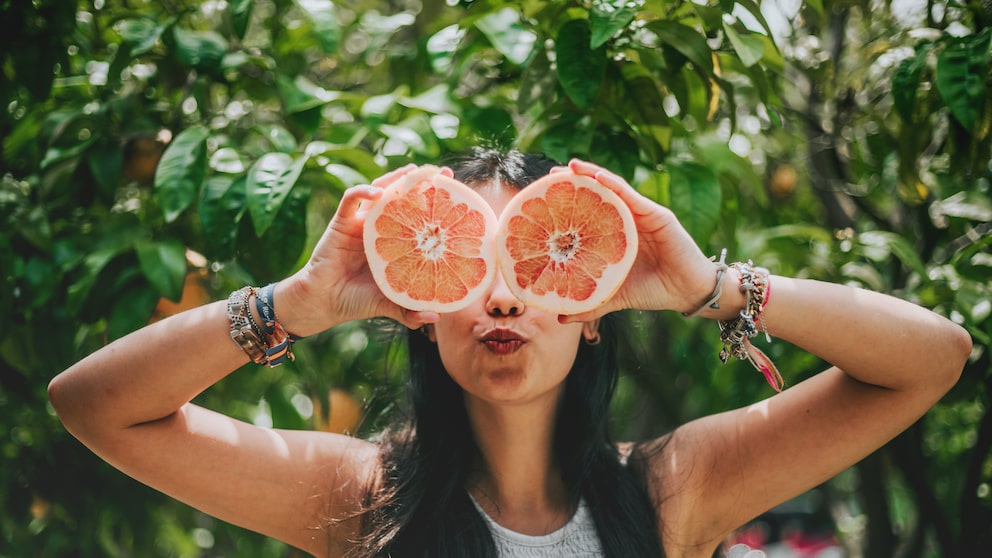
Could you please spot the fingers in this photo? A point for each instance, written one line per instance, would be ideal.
(354, 196)
(392, 176)
(638, 203)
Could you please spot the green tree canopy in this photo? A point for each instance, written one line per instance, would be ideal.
(160, 154)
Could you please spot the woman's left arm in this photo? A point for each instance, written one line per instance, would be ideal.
(892, 360)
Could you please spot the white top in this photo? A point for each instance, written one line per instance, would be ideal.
(576, 539)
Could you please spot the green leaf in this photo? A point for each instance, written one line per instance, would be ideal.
(227, 160)
(164, 265)
(507, 35)
(749, 48)
(970, 205)
(905, 82)
(325, 23)
(270, 180)
(696, 198)
(58, 154)
(240, 12)
(345, 176)
(537, 83)
(93, 264)
(493, 123)
(220, 210)
(201, 50)
(274, 255)
(755, 10)
(580, 67)
(961, 75)
(878, 244)
(181, 171)
(569, 137)
(284, 414)
(379, 106)
(607, 17)
(279, 138)
(300, 94)
(442, 46)
(141, 34)
(131, 310)
(656, 187)
(644, 106)
(686, 40)
(106, 161)
(359, 159)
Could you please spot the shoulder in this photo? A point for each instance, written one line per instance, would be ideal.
(341, 472)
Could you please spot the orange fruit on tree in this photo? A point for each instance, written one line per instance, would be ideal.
(428, 242)
(344, 414)
(565, 243)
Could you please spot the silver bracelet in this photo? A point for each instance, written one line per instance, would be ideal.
(713, 301)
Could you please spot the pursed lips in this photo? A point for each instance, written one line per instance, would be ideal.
(502, 341)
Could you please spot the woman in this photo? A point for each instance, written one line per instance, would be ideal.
(508, 449)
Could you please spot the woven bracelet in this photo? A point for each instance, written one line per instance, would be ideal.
(280, 342)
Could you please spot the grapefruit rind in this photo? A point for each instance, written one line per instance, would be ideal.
(428, 242)
(565, 243)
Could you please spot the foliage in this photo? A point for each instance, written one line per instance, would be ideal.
(160, 154)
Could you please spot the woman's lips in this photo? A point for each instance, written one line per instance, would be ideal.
(502, 341)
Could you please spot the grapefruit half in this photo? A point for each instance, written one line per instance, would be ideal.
(565, 243)
(428, 242)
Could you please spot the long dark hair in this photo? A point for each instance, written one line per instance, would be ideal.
(420, 506)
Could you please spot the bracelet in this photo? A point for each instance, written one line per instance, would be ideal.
(280, 342)
(267, 343)
(736, 333)
(713, 301)
(242, 332)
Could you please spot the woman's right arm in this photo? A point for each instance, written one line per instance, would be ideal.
(130, 403)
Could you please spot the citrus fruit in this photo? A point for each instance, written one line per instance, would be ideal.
(566, 243)
(428, 241)
(344, 413)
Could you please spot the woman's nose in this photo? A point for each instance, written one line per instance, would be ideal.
(502, 302)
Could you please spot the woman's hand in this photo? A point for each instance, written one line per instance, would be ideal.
(670, 272)
(336, 284)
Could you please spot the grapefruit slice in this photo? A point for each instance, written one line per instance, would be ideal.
(566, 243)
(428, 242)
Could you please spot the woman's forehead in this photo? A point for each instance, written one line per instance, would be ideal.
(497, 193)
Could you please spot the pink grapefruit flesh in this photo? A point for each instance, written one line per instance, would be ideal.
(428, 242)
(565, 243)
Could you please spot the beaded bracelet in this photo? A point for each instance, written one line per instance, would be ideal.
(737, 332)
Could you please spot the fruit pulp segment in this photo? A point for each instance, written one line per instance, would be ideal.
(431, 245)
(564, 242)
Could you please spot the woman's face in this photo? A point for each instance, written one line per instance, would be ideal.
(500, 351)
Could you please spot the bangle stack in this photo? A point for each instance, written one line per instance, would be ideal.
(266, 343)
(737, 332)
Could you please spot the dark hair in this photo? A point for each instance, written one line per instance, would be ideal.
(420, 506)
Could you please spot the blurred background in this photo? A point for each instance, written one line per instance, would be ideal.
(157, 155)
